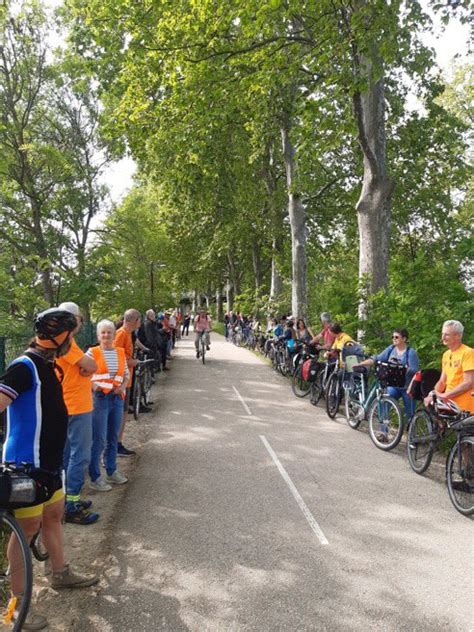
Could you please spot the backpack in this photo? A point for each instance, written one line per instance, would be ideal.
(423, 383)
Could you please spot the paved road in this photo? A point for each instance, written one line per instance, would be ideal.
(212, 536)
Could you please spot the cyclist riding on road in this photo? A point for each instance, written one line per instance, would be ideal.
(202, 323)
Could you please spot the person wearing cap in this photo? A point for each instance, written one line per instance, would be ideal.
(77, 368)
(37, 422)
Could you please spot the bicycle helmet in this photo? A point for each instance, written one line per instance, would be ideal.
(447, 408)
(53, 326)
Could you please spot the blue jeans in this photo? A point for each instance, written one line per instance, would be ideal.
(77, 453)
(409, 403)
(106, 421)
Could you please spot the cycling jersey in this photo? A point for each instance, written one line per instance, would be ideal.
(37, 418)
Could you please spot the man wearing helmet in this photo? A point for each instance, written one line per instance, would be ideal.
(37, 421)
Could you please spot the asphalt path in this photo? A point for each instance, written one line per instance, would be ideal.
(251, 510)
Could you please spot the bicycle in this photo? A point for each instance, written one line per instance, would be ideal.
(373, 403)
(17, 488)
(428, 429)
(203, 343)
(142, 384)
(300, 386)
(460, 465)
(319, 385)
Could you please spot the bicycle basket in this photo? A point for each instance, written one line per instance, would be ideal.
(389, 374)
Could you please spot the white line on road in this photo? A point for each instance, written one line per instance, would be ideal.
(242, 401)
(304, 508)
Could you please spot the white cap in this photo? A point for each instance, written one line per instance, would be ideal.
(72, 308)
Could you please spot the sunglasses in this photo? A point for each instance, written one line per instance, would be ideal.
(395, 337)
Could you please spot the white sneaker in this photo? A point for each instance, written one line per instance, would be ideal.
(117, 478)
(100, 485)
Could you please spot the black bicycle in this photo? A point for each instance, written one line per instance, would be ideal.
(460, 465)
(17, 488)
(142, 383)
(203, 344)
(300, 382)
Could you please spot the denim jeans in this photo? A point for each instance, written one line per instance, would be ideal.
(77, 453)
(106, 421)
(409, 403)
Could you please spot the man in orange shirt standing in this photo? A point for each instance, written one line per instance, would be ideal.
(123, 338)
(457, 376)
(77, 368)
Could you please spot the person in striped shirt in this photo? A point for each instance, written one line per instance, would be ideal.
(109, 385)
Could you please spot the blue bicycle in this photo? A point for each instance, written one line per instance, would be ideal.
(371, 402)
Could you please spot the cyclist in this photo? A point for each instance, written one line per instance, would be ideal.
(37, 421)
(77, 368)
(123, 339)
(457, 374)
(202, 323)
(405, 355)
(325, 338)
(303, 333)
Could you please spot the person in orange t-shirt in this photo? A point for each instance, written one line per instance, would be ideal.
(123, 339)
(76, 369)
(457, 376)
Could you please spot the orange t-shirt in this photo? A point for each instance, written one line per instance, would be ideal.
(123, 339)
(77, 389)
(455, 363)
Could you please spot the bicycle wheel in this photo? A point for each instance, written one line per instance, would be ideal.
(333, 395)
(203, 350)
(460, 475)
(385, 423)
(317, 388)
(353, 410)
(147, 384)
(420, 444)
(299, 386)
(38, 548)
(137, 393)
(12, 538)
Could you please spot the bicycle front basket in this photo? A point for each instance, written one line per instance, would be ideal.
(389, 374)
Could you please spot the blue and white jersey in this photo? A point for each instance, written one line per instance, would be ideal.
(24, 417)
(37, 416)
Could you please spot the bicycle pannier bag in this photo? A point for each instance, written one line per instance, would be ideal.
(309, 370)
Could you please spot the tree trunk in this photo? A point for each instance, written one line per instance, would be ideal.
(297, 217)
(257, 264)
(195, 304)
(276, 282)
(219, 305)
(230, 295)
(374, 204)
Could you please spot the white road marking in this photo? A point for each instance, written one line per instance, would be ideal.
(247, 409)
(302, 505)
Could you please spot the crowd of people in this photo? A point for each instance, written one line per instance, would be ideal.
(67, 407)
(66, 414)
(457, 365)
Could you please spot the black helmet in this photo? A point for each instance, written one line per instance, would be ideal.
(53, 326)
